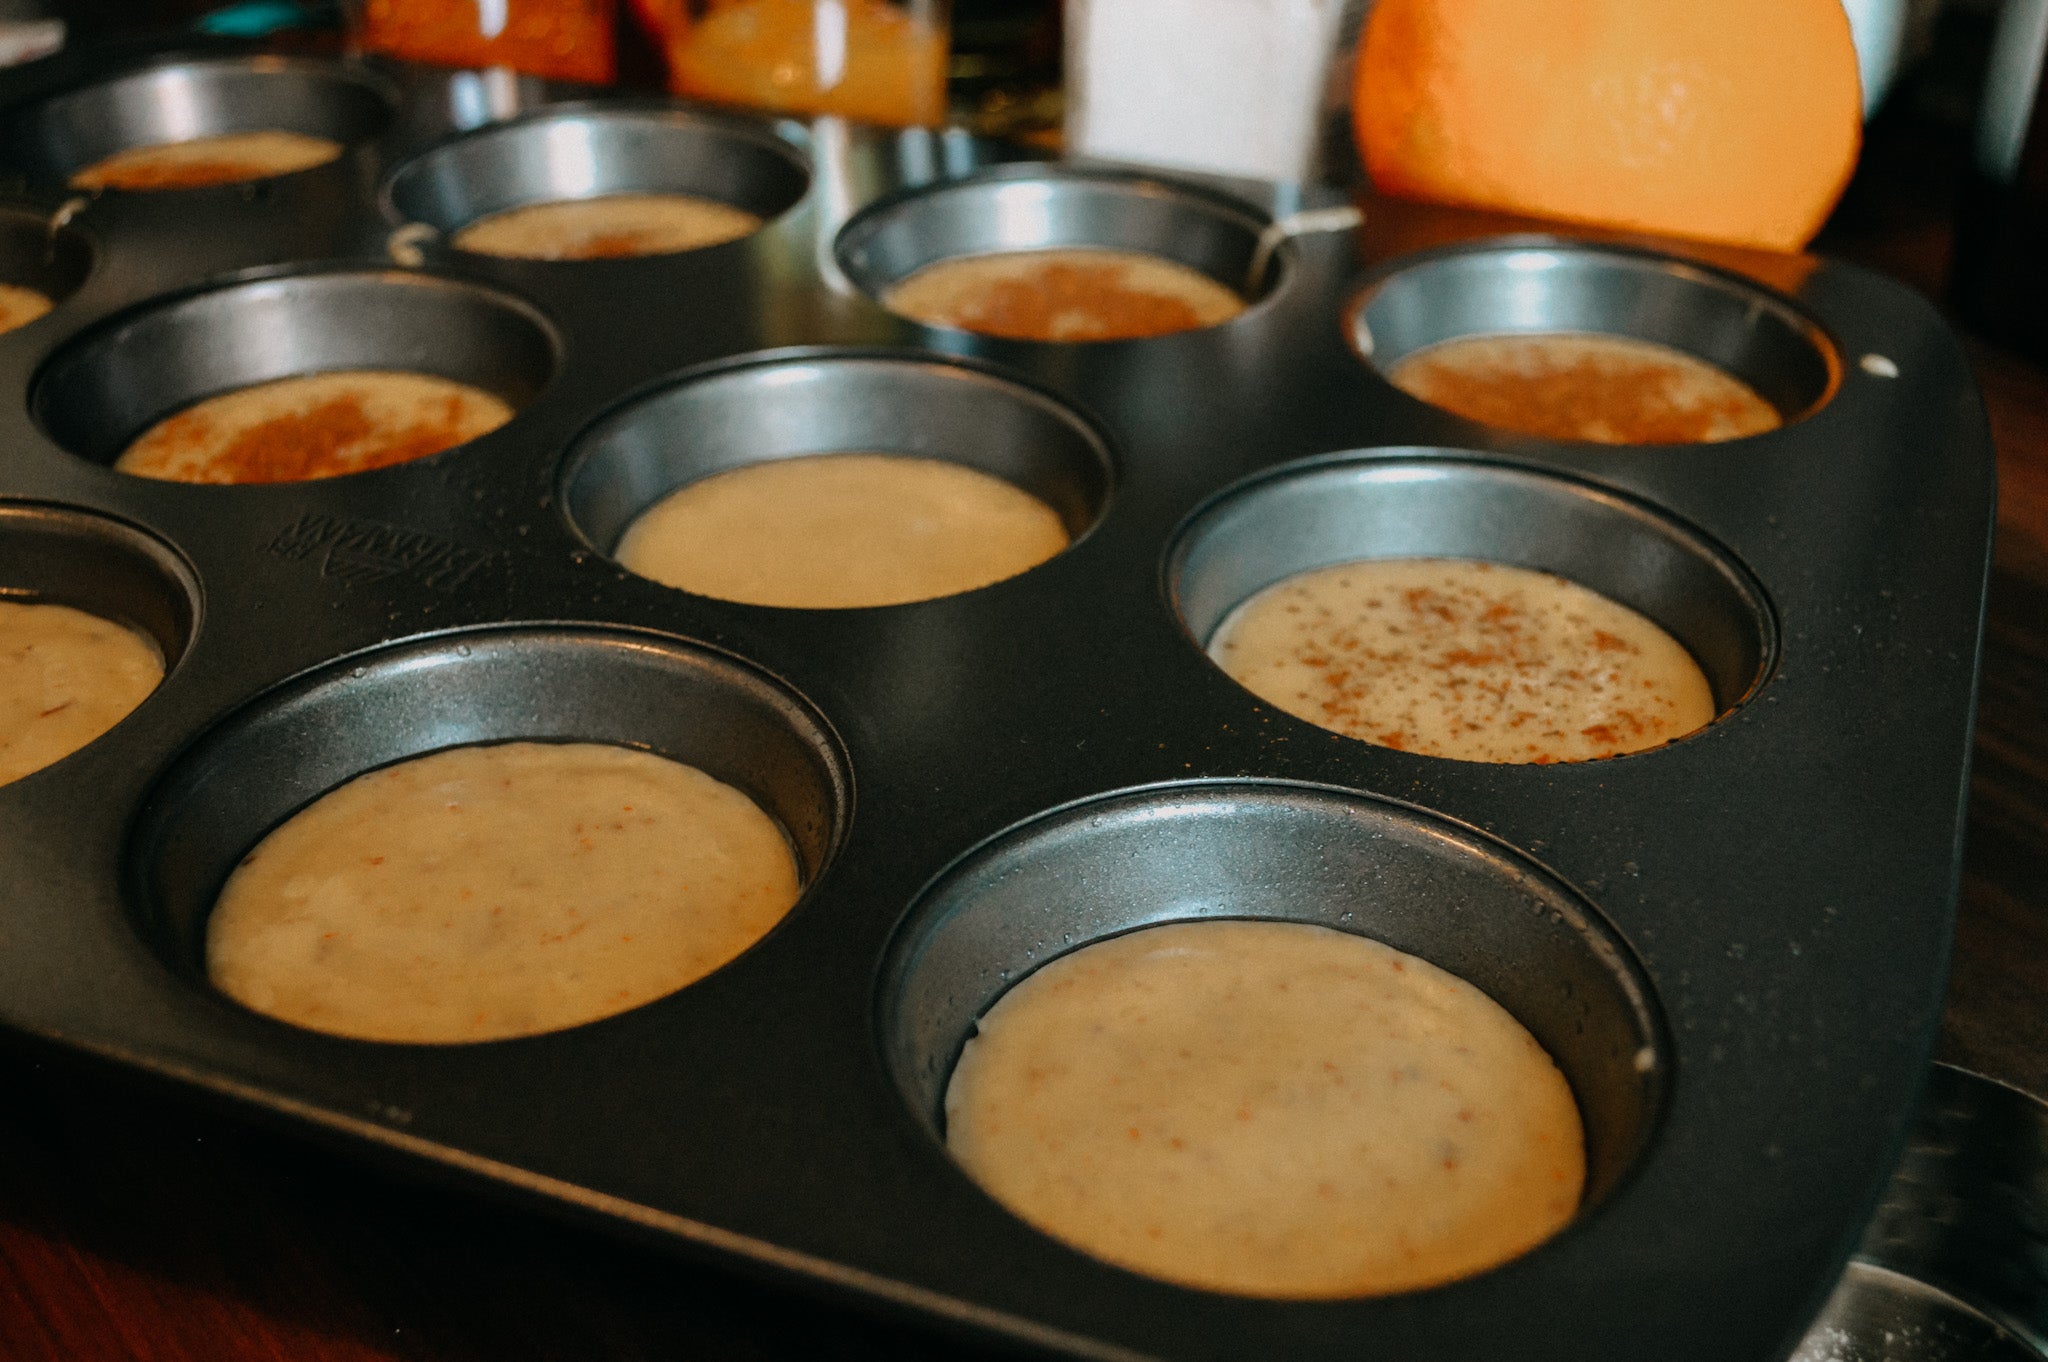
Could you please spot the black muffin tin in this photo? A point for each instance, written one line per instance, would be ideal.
(1734, 946)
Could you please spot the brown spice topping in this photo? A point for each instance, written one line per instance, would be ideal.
(331, 438)
(610, 246)
(180, 175)
(1065, 301)
(1458, 665)
(1568, 402)
(1567, 388)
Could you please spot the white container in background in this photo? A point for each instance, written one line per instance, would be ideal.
(1232, 87)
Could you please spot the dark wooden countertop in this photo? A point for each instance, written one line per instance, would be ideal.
(1997, 1019)
(135, 1225)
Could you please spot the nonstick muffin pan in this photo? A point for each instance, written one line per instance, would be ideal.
(1734, 945)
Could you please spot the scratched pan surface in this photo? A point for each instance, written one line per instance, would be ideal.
(1735, 945)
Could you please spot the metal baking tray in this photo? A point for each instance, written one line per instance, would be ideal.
(1952, 1265)
(1735, 946)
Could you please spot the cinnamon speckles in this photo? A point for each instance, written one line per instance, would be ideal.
(1456, 658)
(1571, 386)
(1065, 295)
(314, 426)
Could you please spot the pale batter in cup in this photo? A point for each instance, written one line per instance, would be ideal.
(607, 227)
(66, 677)
(1267, 1108)
(479, 893)
(835, 531)
(195, 163)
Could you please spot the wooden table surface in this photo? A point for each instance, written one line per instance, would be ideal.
(134, 1225)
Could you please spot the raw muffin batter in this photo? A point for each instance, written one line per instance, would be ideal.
(20, 306)
(1457, 658)
(606, 227)
(314, 426)
(840, 530)
(1570, 386)
(65, 678)
(200, 161)
(483, 892)
(1267, 1108)
(1064, 295)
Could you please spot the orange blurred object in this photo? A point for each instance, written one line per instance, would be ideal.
(559, 39)
(863, 59)
(1735, 121)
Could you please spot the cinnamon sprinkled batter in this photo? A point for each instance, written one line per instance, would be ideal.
(608, 227)
(1064, 295)
(1472, 660)
(1609, 389)
(202, 161)
(314, 426)
(20, 306)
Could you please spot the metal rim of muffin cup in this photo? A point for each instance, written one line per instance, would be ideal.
(39, 252)
(1543, 285)
(791, 404)
(1951, 1264)
(184, 98)
(493, 684)
(106, 387)
(1283, 851)
(585, 150)
(61, 555)
(1422, 502)
(1036, 207)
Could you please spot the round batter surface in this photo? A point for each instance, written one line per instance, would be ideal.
(1064, 295)
(1457, 658)
(314, 426)
(201, 161)
(841, 530)
(20, 306)
(1571, 386)
(1267, 1108)
(65, 678)
(484, 892)
(608, 227)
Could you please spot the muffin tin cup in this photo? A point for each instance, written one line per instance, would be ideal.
(1952, 1264)
(1293, 854)
(1037, 208)
(172, 101)
(37, 253)
(1776, 892)
(542, 685)
(1534, 288)
(108, 387)
(64, 556)
(792, 405)
(584, 151)
(1436, 504)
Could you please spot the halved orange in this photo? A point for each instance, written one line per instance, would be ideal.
(1735, 121)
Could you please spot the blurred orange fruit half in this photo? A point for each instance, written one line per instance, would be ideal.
(1727, 120)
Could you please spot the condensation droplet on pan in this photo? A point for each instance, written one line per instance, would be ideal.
(1646, 1060)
